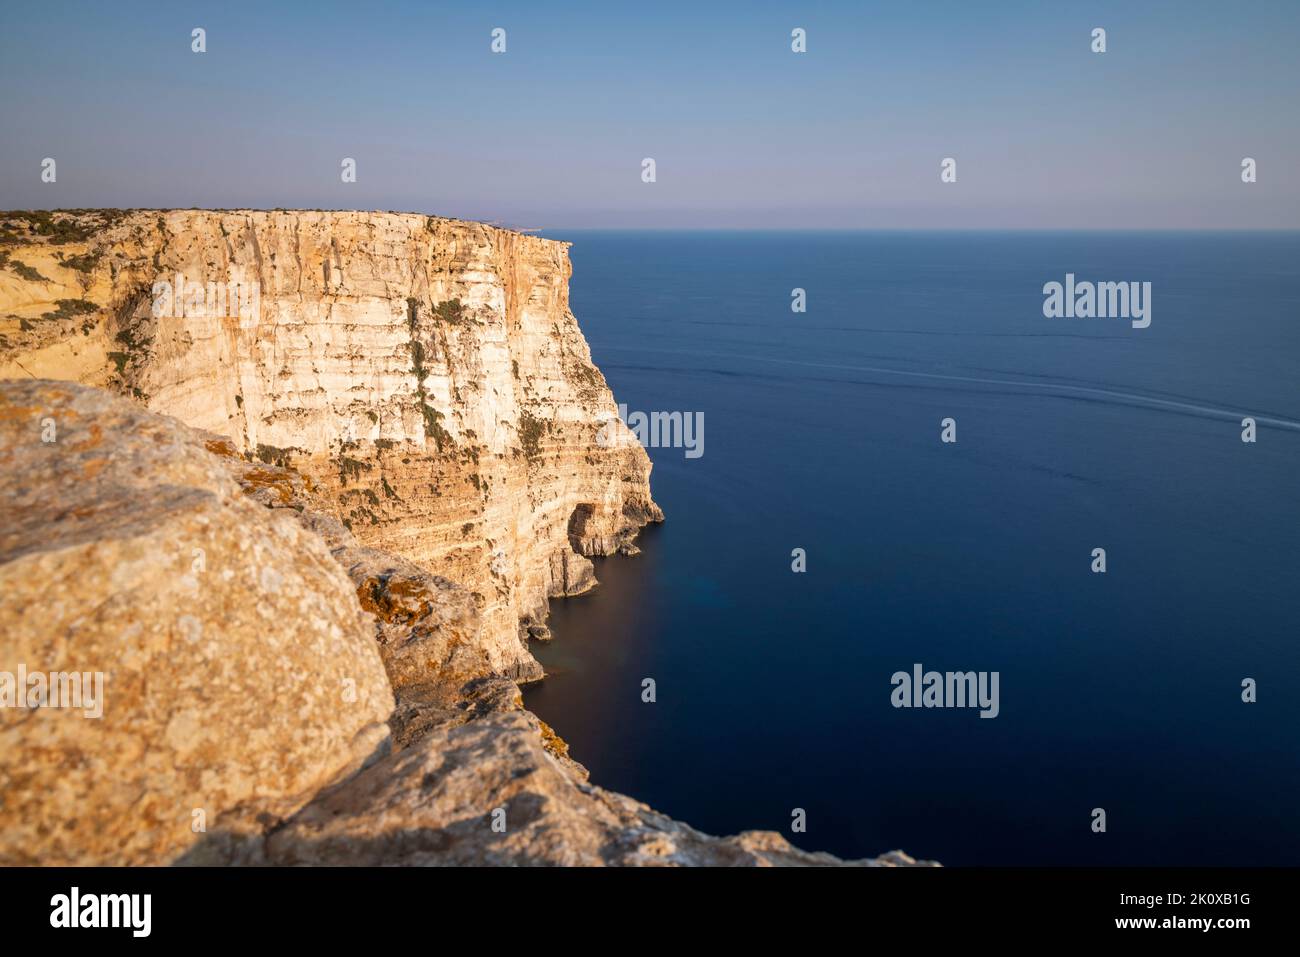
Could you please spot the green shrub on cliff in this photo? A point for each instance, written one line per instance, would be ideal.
(67, 308)
(83, 263)
(23, 270)
(531, 430)
(450, 311)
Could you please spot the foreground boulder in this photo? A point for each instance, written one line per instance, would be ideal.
(239, 674)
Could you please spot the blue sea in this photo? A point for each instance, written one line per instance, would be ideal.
(1120, 691)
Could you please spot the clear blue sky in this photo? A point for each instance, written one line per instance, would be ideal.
(745, 133)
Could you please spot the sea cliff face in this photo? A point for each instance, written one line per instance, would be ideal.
(427, 374)
(308, 586)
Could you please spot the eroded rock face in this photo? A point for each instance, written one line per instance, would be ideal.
(426, 374)
(428, 630)
(240, 675)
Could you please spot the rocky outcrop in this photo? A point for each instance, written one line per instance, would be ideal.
(248, 644)
(437, 802)
(425, 374)
(239, 674)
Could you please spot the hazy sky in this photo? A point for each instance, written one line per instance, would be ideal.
(745, 133)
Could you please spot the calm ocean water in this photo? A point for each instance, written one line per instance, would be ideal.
(1120, 691)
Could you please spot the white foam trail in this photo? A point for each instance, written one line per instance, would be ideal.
(1132, 398)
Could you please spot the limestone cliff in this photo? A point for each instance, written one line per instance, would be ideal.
(426, 374)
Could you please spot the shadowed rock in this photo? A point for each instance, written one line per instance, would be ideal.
(436, 803)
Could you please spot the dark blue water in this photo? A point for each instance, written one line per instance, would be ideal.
(1120, 691)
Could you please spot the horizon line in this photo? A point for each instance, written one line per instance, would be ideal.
(533, 229)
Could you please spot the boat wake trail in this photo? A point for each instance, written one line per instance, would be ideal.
(1010, 385)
